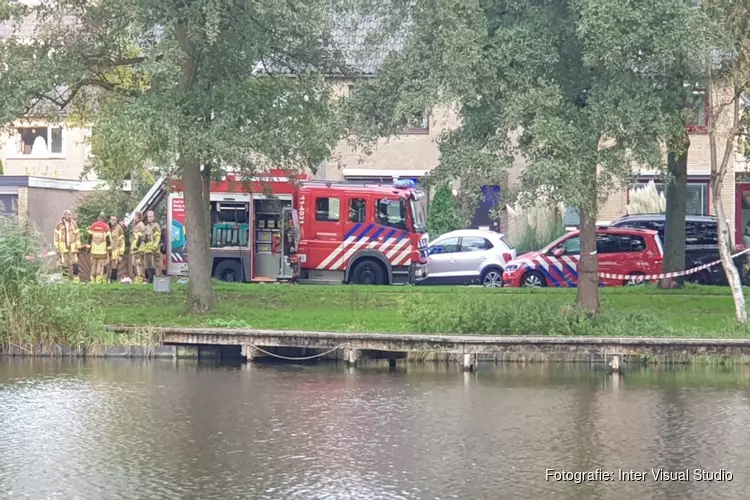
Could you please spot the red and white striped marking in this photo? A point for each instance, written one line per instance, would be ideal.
(45, 254)
(397, 251)
(547, 261)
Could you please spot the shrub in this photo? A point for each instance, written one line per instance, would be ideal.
(34, 311)
(646, 200)
(535, 237)
(471, 313)
(540, 224)
(110, 202)
(443, 214)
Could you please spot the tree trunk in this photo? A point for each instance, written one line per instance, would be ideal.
(718, 171)
(200, 297)
(725, 253)
(674, 230)
(588, 266)
(200, 294)
(206, 193)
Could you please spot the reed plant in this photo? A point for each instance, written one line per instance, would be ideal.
(34, 311)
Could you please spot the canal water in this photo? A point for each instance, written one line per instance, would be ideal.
(139, 429)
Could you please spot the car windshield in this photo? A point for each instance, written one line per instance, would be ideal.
(557, 242)
(419, 215)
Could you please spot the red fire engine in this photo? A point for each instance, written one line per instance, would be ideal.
(345, 232)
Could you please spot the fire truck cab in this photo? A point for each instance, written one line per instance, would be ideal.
(346, 233)
(362, 233)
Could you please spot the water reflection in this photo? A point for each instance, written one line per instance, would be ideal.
(137, 429)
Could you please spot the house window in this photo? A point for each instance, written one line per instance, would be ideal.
(8, 204)
(39, 141)
(357, 210)
(699, 105)
(571, 217)
(417, 124)
(327, 209)
(697, 196)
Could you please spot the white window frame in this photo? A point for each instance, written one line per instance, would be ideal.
(13, 142)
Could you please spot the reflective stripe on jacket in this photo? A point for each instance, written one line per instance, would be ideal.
(67, 237)
(136, 241)
(99, 239)
(152, 236)
(117, 235)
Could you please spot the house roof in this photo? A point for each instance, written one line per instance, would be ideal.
(55, 183)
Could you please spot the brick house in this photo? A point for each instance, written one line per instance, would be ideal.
(699, 199)
(61, 153)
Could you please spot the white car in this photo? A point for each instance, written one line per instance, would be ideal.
(467, 257)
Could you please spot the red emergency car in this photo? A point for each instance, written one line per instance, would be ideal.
(621, 252)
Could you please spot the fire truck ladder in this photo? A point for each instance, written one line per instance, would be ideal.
(150, 201)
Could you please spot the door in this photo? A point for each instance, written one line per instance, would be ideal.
(612, 259)
(624, 254)
(442, 258)
(742, 215)
(562, 262)
(326, 243)
(473, 252)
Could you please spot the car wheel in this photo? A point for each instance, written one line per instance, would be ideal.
(492, 278)
(636, 279)
(533, 280)
(699, 278)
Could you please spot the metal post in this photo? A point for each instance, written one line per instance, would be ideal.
(351, 356)
(615, 363)
(469, 362)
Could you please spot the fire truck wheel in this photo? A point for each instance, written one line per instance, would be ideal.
(368, 272)
(228, 270)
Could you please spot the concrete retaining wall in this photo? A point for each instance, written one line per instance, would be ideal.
(222, 342)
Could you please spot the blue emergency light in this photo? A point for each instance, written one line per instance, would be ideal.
(404, 184)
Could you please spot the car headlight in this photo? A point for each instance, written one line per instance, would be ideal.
(511, 268)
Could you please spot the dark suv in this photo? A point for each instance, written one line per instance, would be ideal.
(701, 245)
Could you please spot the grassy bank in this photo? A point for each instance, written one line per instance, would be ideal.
(641, 311)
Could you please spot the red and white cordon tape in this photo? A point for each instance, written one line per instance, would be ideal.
(45, 254)
(651, 277)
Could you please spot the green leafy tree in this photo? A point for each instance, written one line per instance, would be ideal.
(193, 87)
(726, 65)
(576, 88)
(443, 214)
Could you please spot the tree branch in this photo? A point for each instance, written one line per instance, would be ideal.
(81, 84)
(115, 63)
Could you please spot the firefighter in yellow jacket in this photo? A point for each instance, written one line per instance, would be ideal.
(137, 247)
(117, 248)
(99, 242)
(67, 240)
(152, 251)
